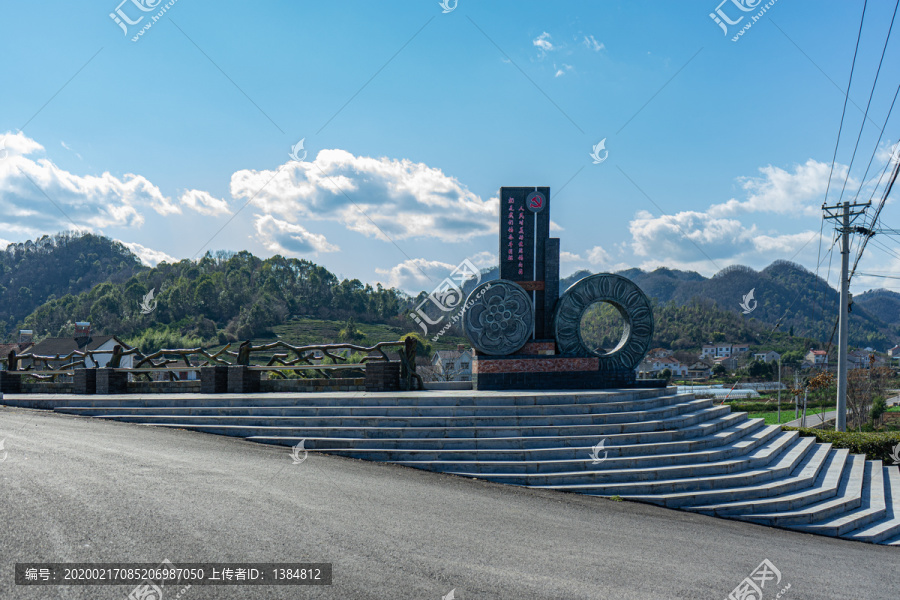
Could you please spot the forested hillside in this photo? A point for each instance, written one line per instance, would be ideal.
(226, 296)
(52, 266)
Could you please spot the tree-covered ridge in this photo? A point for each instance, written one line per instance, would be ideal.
(229, 295)
(52, 266)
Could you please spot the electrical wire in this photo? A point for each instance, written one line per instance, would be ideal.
(846, 97)
(869, 103)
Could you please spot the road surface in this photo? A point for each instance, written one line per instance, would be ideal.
(77, 489)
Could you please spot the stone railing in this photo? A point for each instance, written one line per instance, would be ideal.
(59, 374)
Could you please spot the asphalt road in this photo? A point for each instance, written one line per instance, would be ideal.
(73, 489)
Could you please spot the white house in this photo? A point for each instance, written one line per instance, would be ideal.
(816, 357)
(767, 357)
(651, 366)
(453, 365)
(723, 349)
(100, 345)
(699, 370)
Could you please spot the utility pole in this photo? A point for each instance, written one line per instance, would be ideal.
(848, 213)
(779, 390)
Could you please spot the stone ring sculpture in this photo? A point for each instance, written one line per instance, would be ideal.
(627, 298)
(498, 317)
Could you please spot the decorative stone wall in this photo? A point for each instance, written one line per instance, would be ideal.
(110, 381)
(382, 376)
(242, 380)
(85, 381)
(214, 380)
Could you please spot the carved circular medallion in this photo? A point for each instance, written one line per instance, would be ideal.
(499, 317)
(627, 298)
(535, 202)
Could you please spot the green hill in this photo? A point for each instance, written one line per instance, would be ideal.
(51, 267)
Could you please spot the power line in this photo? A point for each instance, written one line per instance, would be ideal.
(868, 236)
(875, 150)
(871, 94)
(844, 110)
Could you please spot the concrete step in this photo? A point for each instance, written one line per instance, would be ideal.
(779, 480)
(556, 458)
(447, 398)
(676, 439)
(481, 422)
(871, 509)
(582, 469)
(887, 527)
(409, 410)
(780, 456)
(402, 429)
(824, 487)
(847, 498)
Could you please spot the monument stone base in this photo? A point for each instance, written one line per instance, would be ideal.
(541, 372)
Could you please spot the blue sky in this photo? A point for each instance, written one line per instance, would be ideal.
(412, 119)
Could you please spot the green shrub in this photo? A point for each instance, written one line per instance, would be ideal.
(875, 445)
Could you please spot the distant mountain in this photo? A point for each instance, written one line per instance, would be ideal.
(51, 267)
(882, 304)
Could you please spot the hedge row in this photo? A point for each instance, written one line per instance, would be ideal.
(875, 445)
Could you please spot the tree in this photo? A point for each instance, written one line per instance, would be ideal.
(423, 346)
(666, 374)
(879, 407)
(792, 358)
(759, 370)
(719, 369)
(350, 333)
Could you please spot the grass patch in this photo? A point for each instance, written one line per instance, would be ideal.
(787, 416)
(875, 445)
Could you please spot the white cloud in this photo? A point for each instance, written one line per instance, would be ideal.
(593, 44)
(563, 69)
(543, 43)
(380, 197)
(39, 197)
(204, 203)
(289, 239)
(484, 260)
(416, 274)
(66, 146)
(598, 256)
(782, 192)
(148, 256)
(706, 241)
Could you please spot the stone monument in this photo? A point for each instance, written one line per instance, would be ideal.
(527, 336)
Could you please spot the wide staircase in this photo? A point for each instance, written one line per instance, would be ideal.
(649, 445)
